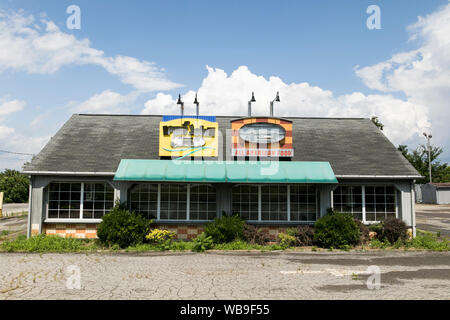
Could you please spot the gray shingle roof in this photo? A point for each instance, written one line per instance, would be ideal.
(97, 143)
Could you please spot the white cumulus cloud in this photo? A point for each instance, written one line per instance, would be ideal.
(222, 94)
(41, 47)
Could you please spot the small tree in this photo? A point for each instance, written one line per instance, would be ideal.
(15, 185)
(377, 122)
(440, 172)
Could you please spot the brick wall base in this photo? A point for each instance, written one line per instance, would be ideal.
(183, 231)
(71, 230)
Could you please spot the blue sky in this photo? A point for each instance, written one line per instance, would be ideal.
(321, 43)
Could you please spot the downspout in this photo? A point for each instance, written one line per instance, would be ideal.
(413, 211)
(29, 210)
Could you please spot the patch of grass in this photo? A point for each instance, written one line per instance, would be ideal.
(242, 245)
(422, 241)
(428, 241)
(43, 243)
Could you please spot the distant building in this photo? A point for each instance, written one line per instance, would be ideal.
(437, 193)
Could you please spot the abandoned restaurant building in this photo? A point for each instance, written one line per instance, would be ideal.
(183, 171)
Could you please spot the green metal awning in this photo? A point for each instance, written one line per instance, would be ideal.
(225, 171)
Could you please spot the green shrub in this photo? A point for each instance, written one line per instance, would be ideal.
(202, 243)
(378, 228)
(225, 229)
(254, 235)
(336, 230)
(123, 227)
(286, 240)
(394, 230)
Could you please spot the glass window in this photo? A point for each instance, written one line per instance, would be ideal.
(98, 200)
(274, 202)
(202, 202)
(244, 200)
(65, 198)
(303, 199)
(173, 201)
(380, 203)
(348, 199)
(144, 199)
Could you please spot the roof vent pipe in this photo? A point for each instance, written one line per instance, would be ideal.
(182, 105)
(277, 99)
(250, 104)
(197, 111)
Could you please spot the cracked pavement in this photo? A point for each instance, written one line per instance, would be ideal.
(226, 275)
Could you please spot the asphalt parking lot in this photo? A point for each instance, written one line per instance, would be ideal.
(435, 218)
(225, 275)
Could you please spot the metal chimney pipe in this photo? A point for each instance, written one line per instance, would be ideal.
(197, 110)
(182, 105)
(277, 99)
(250, 104)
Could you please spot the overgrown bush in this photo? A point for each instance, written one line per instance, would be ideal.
(304, 235)
(225, 229)
(363, 232)
(122, 227)
(336, 230)
(286, 240)
(394, 230)
(255, 235)
(378, 228)
(202, 243)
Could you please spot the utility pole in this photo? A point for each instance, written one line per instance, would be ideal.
(429, 136)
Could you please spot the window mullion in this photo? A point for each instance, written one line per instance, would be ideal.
(158, 204)
(363, 196)
(259, 203)
(188, 199)
(81, 200)
(289, 203)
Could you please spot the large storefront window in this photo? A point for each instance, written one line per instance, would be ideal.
(274, 202)
(144, 199)
(366, 203)
(202, 202)
(303, 200)
(67, 200)
(245, 201)
(349, 200)
(270, 202)
(380, 203)
(173, 201)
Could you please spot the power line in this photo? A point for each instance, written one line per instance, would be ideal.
(12, 152)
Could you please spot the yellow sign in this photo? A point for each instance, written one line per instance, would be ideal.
(188, 136)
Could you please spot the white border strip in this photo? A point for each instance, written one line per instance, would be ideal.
(377, 177)
(71, 173)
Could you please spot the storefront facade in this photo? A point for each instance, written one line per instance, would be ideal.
(183, 171)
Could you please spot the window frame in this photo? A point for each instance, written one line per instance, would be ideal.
(288, 203)
(80, 219)
(188, 196)
(363, 194)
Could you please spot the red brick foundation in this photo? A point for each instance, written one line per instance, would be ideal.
(183, 231)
